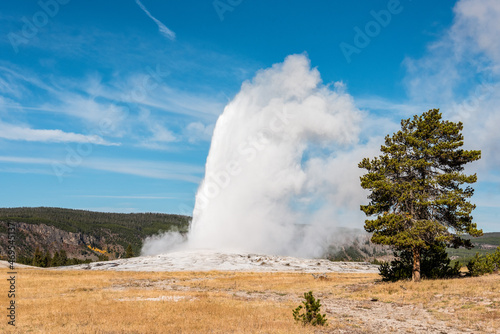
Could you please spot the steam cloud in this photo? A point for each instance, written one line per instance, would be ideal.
(278, 179)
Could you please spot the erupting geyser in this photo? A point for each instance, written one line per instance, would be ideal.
(268, 185)
(280, 176)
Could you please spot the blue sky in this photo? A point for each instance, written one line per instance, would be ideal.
(110, 105)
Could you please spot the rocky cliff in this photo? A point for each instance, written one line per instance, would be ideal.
(28, 237)
(84, 235)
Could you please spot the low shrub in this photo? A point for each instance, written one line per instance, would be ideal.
(484, 264)
(311, 313)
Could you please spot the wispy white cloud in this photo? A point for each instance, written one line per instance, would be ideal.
(27, 160)
(21, 107)
(460, 74)
(163, 29)
(26, 170)
(477, 22)
(386, 107)
(199, 105)
(16, 81)
(13, 132)
(109, 109)
(6, 87)
(160, 134)
(143, 168)
(63, 96)
(137, 108)
(197, 131)
(105, 117)
(149, 169)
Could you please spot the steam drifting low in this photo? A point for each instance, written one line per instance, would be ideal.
(275, 179)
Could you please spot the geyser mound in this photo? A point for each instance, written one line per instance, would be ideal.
(265, 188)
(208, 260)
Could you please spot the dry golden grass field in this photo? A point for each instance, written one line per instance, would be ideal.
(55, 301)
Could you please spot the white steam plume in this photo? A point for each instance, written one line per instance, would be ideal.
(269, 184)
(163, 243)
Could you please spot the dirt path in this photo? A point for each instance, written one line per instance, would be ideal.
(353, 316)
(346, 315)
(379, 317)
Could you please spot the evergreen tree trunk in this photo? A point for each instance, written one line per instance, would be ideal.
(416, 265)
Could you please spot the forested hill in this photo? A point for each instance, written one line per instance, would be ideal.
(487, 240)
(83, 234)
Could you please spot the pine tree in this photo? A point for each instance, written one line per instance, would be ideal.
(37, 258)
(128, 252)
(416, 194)
(310, 311)
(56, 260)
(46, 260)
(63, 258)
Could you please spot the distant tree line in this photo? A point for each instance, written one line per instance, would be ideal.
(60, 258)
(117, 228)
(84, 221)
